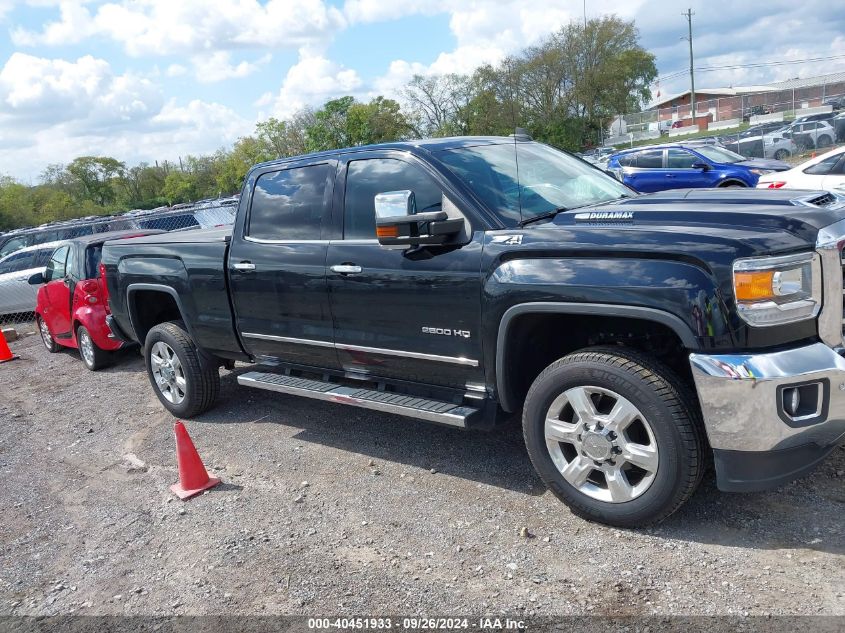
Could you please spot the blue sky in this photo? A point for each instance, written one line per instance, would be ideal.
(145, 80)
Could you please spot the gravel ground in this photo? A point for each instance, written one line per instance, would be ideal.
(332, 510)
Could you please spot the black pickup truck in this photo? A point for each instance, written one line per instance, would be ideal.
(462, 281)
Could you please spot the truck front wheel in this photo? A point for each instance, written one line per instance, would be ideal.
(615, 436)
(184, 380)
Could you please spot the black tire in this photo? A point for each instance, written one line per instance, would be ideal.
(823, 141)
(781, 154)
(95, 358)
(733, 184)
(46, 335)
(673, 416)
(201, 374)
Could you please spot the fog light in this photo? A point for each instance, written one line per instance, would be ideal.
(792, 401)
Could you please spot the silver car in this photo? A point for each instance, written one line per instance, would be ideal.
(16, 295)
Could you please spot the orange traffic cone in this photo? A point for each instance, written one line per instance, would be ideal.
(5, 352)
(193, 478)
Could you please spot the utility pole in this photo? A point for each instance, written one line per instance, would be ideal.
(688, 15)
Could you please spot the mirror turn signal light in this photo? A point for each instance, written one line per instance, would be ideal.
(754, 286)
(387, 231)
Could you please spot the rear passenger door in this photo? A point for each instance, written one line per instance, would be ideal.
(277, 266)
(646, 173)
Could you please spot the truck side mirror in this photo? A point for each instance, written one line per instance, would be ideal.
(398, 225)
(36, 280)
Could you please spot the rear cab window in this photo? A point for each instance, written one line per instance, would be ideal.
(290, 204)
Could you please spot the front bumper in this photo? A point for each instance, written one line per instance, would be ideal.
(756, 445)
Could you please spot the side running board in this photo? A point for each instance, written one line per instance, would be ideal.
(421, 408)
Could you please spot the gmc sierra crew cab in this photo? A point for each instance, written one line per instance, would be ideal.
(464, 280)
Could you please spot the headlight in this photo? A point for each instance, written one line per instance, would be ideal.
(777, 290)
(762, 172)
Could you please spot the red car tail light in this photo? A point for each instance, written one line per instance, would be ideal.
(777, 184)
(91, 290)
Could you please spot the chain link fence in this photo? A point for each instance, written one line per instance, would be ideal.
(25, 252)
(744, 123)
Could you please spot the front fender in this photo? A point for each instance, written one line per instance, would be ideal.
(679, 295)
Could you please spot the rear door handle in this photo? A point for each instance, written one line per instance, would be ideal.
(346, 269)
(244, 266)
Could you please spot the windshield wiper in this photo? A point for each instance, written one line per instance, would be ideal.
(554, 212)
(542, 216)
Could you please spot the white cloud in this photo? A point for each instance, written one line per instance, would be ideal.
(52, 110)
(50, 91)
(218, 66)
(175, 70)
(312, 80)
(167, 27)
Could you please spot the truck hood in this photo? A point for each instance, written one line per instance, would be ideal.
(801, 214)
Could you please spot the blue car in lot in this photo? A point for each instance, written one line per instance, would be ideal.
(683, 166)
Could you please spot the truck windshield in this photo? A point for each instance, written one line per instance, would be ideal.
(522, 180)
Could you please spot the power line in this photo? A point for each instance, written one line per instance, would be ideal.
(786, 62)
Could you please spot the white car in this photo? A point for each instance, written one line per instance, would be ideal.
(16, 295)
(825, 172)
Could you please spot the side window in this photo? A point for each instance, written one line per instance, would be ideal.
(680, 159)
(70, 266)
(289, 204)
(366, 178)
(628, 160)
(14, 244)
(56, 265)
(42, 258)
(20, 261)
(823, 167)
(650, 159)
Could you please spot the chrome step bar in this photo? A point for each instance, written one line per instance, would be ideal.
(421, 408)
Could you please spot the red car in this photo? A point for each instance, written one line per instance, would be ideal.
(72, 303)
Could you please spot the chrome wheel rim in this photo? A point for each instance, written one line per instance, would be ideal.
(601, 444)
(46, 337)
(86, 348)
(168, 373)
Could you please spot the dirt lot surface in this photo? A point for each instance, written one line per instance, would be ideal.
(333, 510)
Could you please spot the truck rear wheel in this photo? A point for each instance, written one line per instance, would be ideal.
(185, 381)
(615, 436)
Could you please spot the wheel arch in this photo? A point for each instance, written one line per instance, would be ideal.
(144, 316)
(505, 382)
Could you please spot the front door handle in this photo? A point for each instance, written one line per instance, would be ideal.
(244, 266)
(346, 269)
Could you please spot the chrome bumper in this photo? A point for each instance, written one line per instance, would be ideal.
(739, 396)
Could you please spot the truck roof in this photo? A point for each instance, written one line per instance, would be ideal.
(427, 144)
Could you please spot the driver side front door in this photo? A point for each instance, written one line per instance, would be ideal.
(406, 314)
(57, 311)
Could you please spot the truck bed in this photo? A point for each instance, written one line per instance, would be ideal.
(189, 267)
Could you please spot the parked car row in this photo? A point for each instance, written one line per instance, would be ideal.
(204, 214)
